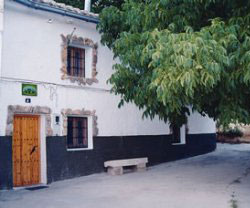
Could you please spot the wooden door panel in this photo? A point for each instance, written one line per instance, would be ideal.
(26, 150)
(16, 146)
(35, 154)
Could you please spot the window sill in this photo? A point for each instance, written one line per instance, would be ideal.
(78, 149)
(182, 143)
(75, 76)
(80, 80)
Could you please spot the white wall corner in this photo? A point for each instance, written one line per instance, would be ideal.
(1, 6)
(1, 16)
(1, 31)
(1, 40)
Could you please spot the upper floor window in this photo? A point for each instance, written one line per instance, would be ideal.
(79, 60)
(76, 62)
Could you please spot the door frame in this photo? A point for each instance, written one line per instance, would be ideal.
(42, 140)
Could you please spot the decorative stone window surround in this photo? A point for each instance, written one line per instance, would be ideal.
(39, 110)
(82, 43)
(80, 113)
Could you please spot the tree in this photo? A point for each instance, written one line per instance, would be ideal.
(99, 5)
(96, 5)
(75, 3)
(177, 55)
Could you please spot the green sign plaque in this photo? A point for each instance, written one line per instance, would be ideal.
(29, 89)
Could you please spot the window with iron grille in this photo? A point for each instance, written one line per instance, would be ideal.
(176, 134)
(76, 62)
(77, 132)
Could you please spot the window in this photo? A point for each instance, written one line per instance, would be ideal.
(77, 132)
(178, 134)
(79, 60)
(76, 62)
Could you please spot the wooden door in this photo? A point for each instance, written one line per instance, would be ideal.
(26, 150)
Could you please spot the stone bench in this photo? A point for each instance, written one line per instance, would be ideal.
(115, 167)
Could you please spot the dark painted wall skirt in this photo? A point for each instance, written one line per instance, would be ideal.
(63, 164)
(6, 162)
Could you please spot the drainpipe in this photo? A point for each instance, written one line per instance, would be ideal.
(87, 5)
(56, 10)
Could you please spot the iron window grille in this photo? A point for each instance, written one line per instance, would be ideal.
(77, 132)
(176, 134)
(75, 61)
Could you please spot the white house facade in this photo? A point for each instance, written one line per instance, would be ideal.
(58, 117)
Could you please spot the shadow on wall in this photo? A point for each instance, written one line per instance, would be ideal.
(64, 164)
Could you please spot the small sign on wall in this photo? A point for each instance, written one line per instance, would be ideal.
(27, 100)
(29, 89)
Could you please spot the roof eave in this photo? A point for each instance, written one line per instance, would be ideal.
(56, 10)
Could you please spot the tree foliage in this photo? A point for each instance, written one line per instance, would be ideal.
(97, 5)
(75, 3)
(177, 55)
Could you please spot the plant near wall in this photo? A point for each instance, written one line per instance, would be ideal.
(99, 5)
(230, 132)
(177, 55)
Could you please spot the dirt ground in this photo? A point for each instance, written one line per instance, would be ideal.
(220, 179)
(235, 140)
(246, 139)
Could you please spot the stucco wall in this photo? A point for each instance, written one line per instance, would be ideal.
(32, 51)
(198, 124)
(32, 45)
(1, 32)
